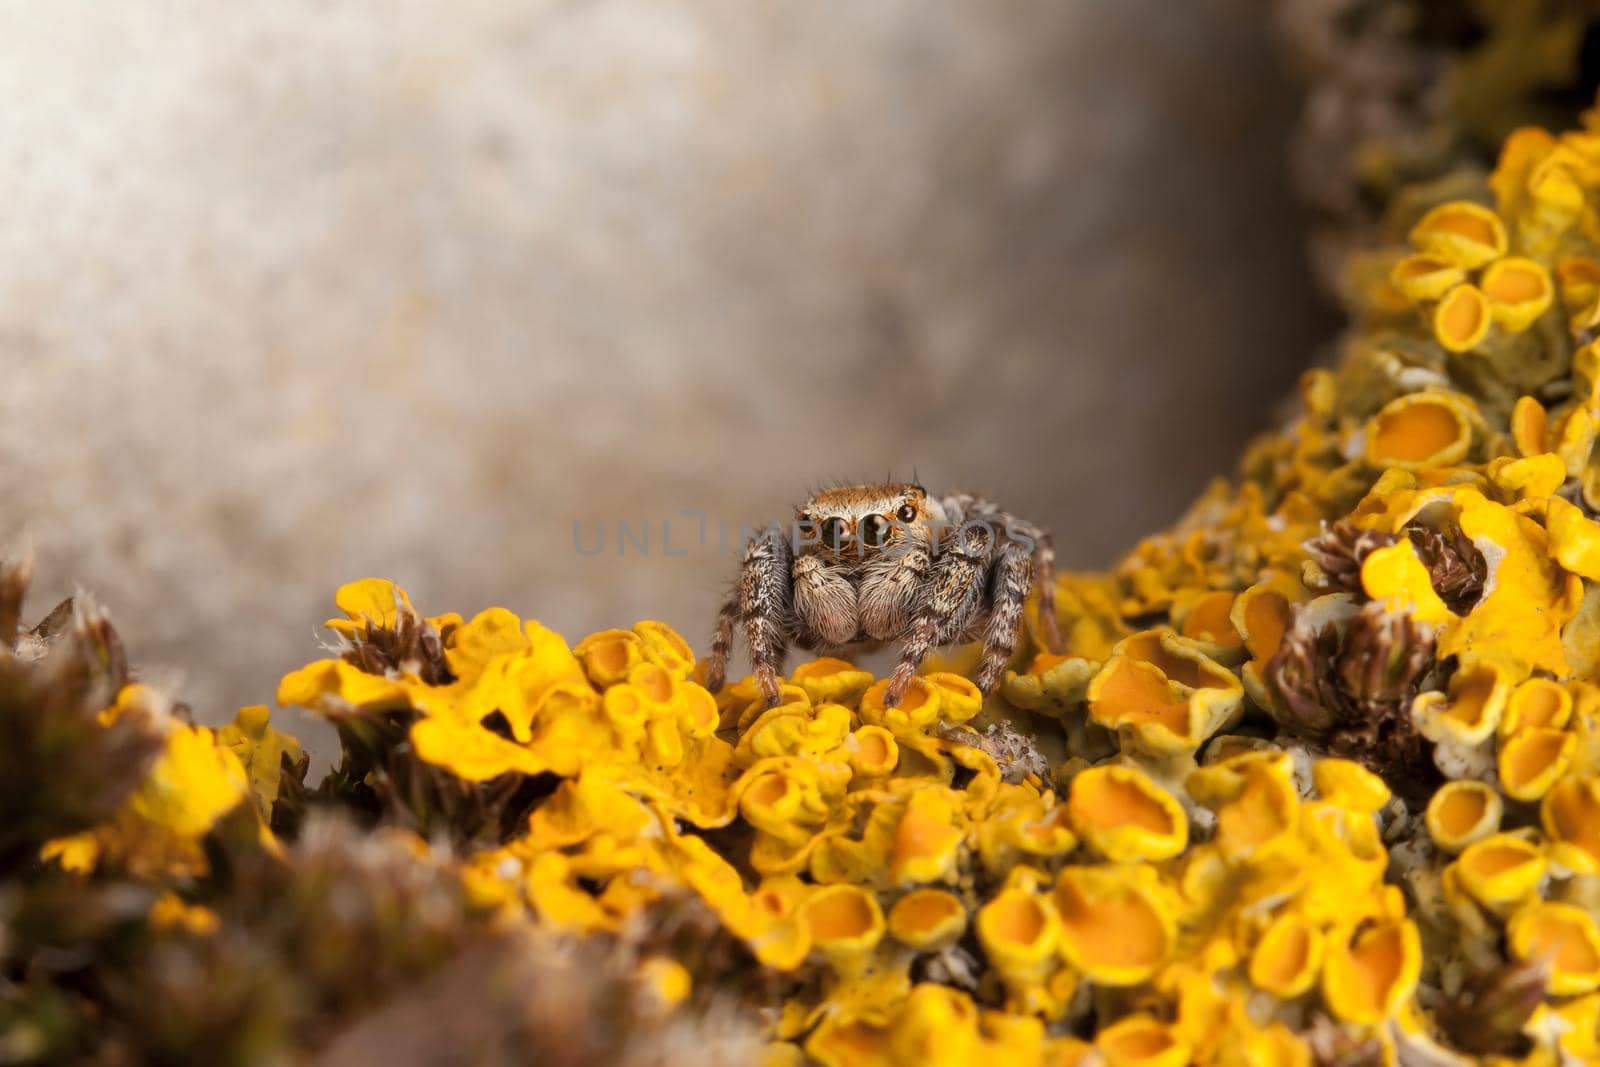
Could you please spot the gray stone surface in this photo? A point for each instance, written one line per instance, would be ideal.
(300, 292)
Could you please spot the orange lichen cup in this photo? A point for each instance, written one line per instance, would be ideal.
(1532, 759)
(927, 919)
(927, 839)
(1462, 319)
(1019, 931)
(918, 708)
(1370, 969)
(1125, 816)
(1113, 928)
(1570, 813)
(1288, 957)
(959, 698)
(1463, 812)
(1530, 427)
(1420, 278)
(1537, 702)
(1472, 709)
(1518, 290)
(1428, 429)
(1347, 784)
(872, 752)
(609, 655)
(1578, 278)
(1261, 614)
(1501, 871)
(842, 1042)
(1465, 234)
(1255, 798)
(845, 921)
(1208, 620)
(665, 647)
(827, 680)
(1566, 937)
(1141, 1041)
(1163, 694)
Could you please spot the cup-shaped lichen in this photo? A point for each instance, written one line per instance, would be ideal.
(1141, 1041)
(1418, 430)
(1460, 322)
(1518, 290)
(1532, 759)
(1163, 695)
(1501, 871)
(927, 919)
(1463, 812)
(1570, 813)
(1462, 233)
(1114, 927)
(1288, 958)
(1125, 816)
(845, 922)
(1566, 937)
(1370, 968)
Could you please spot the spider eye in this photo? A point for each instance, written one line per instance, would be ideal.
(907, 513)
(834, 532)
(874, 530)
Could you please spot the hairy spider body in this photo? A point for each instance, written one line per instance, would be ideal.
(865, 565)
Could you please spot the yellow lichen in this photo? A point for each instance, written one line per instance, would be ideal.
(1370, 968)
(1125, 816)
(1162, 694)
(1570, 813)
(1288, 958)
(927, 919)
(1532, 759)
(1501, 871)
(1463, 812)
(1114, 927)
(1566, 937)
(1418, 430)
(1462, 319)
(1462, 233)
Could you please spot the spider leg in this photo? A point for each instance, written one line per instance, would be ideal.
(766, 606)
(721, 643)
(1044, 576)
(1012, 576)
(918, 643)
(955, 588)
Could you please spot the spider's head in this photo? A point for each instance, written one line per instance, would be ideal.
(862, 522)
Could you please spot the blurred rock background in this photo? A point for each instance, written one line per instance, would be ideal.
(296, 293)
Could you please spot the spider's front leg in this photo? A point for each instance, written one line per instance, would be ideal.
(955, 587)
(722, 644)
(766, 605)
(763, 603)
(1012, 576)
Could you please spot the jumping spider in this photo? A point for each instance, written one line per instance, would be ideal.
(867, 564)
